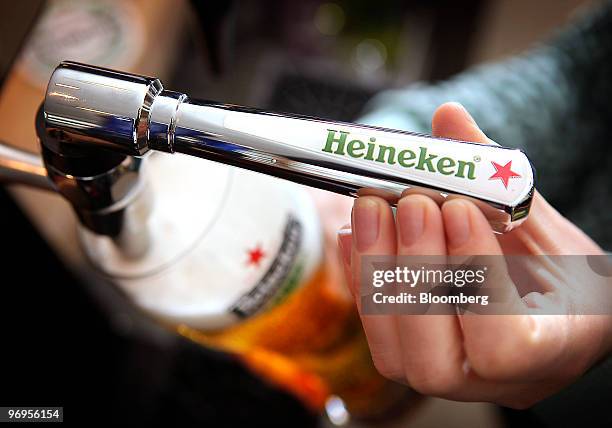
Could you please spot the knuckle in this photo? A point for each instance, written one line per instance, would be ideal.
(510, 358)
(434, 381)
(496, 356)
(493, 363)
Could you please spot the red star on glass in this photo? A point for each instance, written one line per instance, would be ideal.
(503, 173)
(255, 255)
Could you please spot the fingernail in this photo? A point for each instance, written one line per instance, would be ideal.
(345, 230)
(366, 223)
(456, 222)
(344, 243)
(410, 220)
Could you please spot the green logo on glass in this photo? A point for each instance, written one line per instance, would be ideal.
(338, 142)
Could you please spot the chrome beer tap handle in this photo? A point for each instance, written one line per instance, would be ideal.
(89, 107)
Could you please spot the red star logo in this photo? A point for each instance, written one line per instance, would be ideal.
(255, 255)
(504, 173)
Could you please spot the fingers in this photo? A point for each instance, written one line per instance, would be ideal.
(467, 357)
(373, 233)
(469, 237)
(499, 347)
(431, 344)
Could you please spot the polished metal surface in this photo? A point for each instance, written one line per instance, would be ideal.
(20, 167)
(115, 203)
(105, 107)
(94, 107)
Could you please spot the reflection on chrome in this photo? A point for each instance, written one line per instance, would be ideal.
(130, 114)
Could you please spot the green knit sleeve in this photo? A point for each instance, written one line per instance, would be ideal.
(553, 102)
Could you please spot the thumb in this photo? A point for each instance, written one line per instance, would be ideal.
(546, 230)
(452, 120)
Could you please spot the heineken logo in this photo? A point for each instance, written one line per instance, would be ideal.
(340, 143)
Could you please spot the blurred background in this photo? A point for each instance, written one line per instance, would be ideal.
(71, 344)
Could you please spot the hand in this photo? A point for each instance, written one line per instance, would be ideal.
(512, 360)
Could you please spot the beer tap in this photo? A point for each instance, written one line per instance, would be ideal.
(96, 127)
